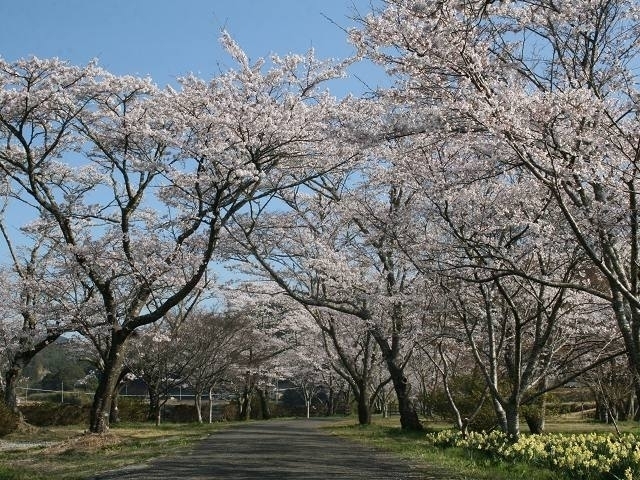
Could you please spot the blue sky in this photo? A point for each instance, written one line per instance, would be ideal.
(170, 38)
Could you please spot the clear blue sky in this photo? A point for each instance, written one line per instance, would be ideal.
(170, 38)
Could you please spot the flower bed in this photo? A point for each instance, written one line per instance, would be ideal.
(581, 456)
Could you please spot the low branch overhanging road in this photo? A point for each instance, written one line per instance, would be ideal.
(278, 449)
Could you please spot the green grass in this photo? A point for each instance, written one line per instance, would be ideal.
(73, 454)
(451, 463)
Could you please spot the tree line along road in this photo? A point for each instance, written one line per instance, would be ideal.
(278, 449)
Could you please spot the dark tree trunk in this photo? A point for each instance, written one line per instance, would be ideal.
(264, 404)
(331, 402)
(408, 416)
(535, 420)
(154, 403)
(101, 408)
(11, 384)
(501, 415)
(245, 405)
(535, 414)
(636, 413)
(364, 407)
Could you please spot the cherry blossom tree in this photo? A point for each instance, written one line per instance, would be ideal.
(307, 372)
(214, 342)
(136, 183)
(274, 327)
(41, 301)
(544, 92)
(158, 357)
(351, 352)
(337, 249)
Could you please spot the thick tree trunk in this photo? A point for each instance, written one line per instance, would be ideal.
(408, 416)
(101, 408)
(154, 403)
(512, 410)
(628, 320)
(535, 420)
(11, 385)
(17, 364)
(535, 413)
(364, 408)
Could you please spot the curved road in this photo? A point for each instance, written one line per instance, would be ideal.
(277, 449)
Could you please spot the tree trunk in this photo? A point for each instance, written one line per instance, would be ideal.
(534, 417)
(628, 320)
(534, 414)
(501, 414)
(512, 410)
(101, 408)
(364, 408)
(363, 399)
(114, 412)
(211, 405)
(154, 402)
(197, 398)
(264, 404)
(331, 402)
(245, 407)
(408, 416)
(10, 393)
(16, 364)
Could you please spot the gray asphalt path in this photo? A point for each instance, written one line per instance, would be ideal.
(277, 449)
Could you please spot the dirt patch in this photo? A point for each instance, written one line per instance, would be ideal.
(89, 442)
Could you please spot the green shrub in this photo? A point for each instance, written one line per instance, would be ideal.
(48, 414)
(133, 409)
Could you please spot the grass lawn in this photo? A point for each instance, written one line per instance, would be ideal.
(68, 453)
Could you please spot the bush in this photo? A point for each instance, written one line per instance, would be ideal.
(8, 420)
(48, 414)
(133, 409)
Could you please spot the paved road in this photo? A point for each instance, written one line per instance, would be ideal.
(277, 449)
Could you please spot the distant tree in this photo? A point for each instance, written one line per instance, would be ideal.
(214, 342)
